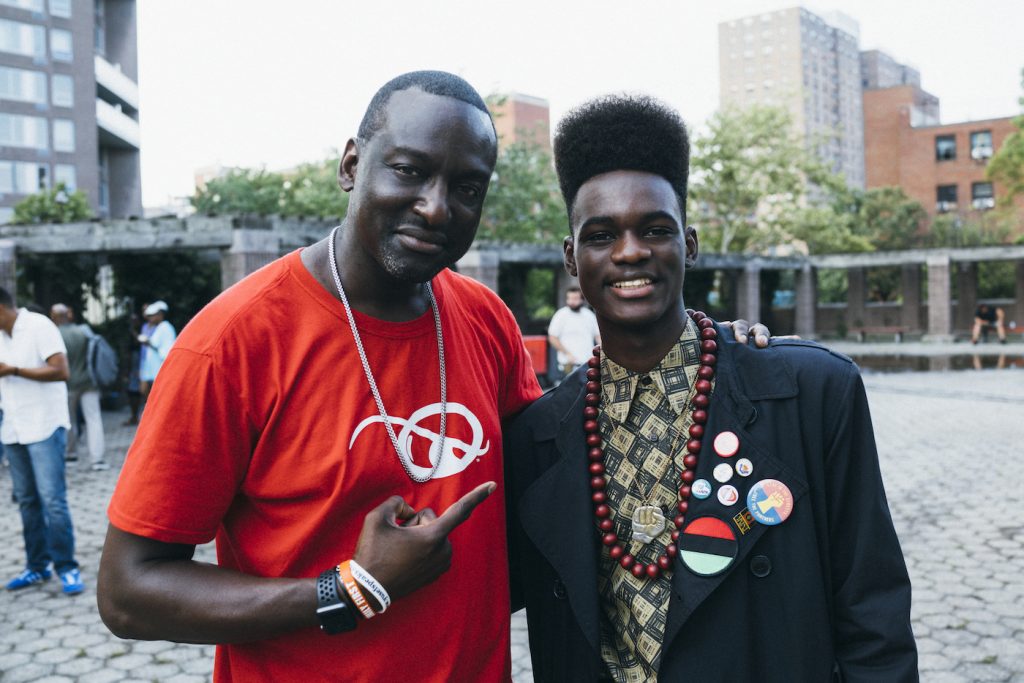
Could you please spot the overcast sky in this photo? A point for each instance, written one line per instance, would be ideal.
(274, 83)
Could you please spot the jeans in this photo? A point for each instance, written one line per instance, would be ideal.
(37, 472)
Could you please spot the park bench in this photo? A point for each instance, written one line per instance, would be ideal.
(897, 331)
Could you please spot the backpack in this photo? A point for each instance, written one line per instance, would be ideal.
(100, 359)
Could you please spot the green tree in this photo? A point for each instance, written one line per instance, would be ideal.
(889, 219)
(748, 172)
(311, 190)
(1007, 165)
(524, 203)
(186, 280)
(55, 205)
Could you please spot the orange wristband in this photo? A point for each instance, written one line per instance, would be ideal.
(345, 574)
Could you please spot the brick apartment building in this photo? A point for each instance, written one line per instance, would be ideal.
(941, 166)
(519, 117)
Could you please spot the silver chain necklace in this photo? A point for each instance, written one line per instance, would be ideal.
(406, 462)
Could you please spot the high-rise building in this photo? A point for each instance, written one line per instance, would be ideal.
(808, 64)
(69, 102)
(519, 117)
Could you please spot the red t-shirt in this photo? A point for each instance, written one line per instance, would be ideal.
(262, 431)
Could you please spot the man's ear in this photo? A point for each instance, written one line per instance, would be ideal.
(569, 255)
(347, 167)
(690, 235)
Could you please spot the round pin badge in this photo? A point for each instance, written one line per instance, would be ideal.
(744, 467)
(728, 495)
(707, 546)
(727, 444)
(770, 502)
(722, 472)
(701, 489)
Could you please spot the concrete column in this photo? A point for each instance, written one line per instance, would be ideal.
(1016, 314)
(748, 294)
(940, 307)
(856, 284)
(250, 250)
(482, 266)
(966, 296)
(9, 268)
(806, 301)
(910, 313)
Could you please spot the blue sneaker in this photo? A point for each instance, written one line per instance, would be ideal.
(28, 578)
(72, 580)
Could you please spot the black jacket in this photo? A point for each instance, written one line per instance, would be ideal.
(823, 596)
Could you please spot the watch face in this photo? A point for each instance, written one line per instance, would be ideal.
(336, 618)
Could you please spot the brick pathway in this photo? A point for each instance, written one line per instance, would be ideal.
(950, 445)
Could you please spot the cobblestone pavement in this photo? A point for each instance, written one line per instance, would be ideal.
(947, 441)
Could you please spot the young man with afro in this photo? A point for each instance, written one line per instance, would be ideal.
(683, 507)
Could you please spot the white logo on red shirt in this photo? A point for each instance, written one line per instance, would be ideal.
(452, 463)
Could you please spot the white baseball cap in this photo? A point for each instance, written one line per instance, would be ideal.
(155, 307)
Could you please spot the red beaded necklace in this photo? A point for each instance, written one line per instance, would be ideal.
(595, 454)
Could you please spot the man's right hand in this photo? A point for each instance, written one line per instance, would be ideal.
(404, 549)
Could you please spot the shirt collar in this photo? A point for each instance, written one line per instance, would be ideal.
(619, 385)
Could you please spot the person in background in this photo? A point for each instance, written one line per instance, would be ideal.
(33, 372)
(986, 318)
(157, 338)
(132, 386)
(573, 331)
(83, 394)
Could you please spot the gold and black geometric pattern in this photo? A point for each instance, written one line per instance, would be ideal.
(644, 424)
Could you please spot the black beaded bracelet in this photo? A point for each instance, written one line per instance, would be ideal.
(336, 615)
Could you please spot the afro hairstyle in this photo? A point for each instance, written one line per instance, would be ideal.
(621, 132)
(434, 82)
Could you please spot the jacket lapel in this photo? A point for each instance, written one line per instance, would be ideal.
(732, 410)
(556, 511)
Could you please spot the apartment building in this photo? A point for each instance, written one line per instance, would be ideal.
(519, 117)
(940, 165)
(69, 102)
(808, 64)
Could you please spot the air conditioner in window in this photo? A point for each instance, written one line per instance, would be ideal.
(981, 152)
(983, 203)
(943, 207)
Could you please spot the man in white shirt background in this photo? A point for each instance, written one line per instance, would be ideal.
(573, 331)
(33, 372)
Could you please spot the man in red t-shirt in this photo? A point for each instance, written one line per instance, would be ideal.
(355, 371)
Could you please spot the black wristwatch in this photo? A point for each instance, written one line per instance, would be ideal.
(336, 615)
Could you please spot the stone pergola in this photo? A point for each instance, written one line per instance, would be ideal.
(247, 243)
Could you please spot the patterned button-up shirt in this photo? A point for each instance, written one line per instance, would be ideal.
(644, 422)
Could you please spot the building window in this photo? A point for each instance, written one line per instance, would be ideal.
(6, 214)
(65, 173)
(60, 8)
(982, 197)
(945, 198)
(23, 131)
(63, 90)
(32, 5)
(60, 45)
(981, 145)
(63, 135)
(22, 85)
(99, 29)
(945, 147)
(19, 177)
(22, 39)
